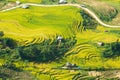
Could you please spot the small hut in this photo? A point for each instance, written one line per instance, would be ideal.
(25, 6)
(100, 43)
(68, 65)
(62, 1)
(18, 2)
(59, 38)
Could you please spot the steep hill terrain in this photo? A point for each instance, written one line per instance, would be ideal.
(41, 41)
(34, 23)
(115, 4)
(105, 11)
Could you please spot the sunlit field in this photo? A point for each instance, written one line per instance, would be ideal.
(39, 23)
(36, 25)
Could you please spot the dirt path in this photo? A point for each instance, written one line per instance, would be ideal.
(76, 5)
(105, 74)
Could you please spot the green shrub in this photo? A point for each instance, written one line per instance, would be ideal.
(112, 50)
(89, 22)
(1, 33)
(8, 42)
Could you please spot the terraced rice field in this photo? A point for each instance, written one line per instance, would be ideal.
(37, 24)
(87, 53)
(34, 25)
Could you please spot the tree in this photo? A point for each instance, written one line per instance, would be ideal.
(45, 52)
(11, 58)
(89, 22)
(1, 33)
(112, 49)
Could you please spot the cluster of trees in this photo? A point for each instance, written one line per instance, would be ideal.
(8, 50)
(8, 42)
(40, 52)
(112, 50)
(89, 22)
(46, 52)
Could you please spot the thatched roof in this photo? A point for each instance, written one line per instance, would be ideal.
(62, 1)
(68, 64)
(25, 6)
(18, 2)
(59, 37)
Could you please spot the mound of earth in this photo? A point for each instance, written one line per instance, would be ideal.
(101, 8)
(9, 74)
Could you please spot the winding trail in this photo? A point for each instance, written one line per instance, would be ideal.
(92, 14)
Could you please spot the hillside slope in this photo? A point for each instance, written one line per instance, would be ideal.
(115, 4)
(39, 24)
(105, 11)
(34, 23)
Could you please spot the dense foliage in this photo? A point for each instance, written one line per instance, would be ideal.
(41, 52)
(89, 22)
(8, 42)
(115, 32)
(112, 50)
(1, 33)
(45, 52)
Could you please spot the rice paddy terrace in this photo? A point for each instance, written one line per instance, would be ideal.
(37, 24)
